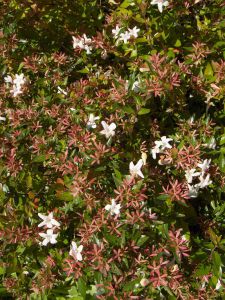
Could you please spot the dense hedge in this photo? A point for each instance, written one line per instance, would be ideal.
(112, 149)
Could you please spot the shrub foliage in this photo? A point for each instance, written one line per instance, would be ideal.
(112, 149)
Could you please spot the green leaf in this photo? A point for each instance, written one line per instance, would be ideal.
(142, 240)
(222, 163)
(92, 291)
(163, 197)
(128, 109)
(208, 70)
(66, 196)
(130, 285)
(29, 181)
(222, 141)
(82, 288)
(178, 43)
(40, 158)
(144, 111)
(84, 71)
(74, 295)
(216, 263)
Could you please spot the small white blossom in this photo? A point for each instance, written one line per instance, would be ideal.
(16, 90)
(125, 37)
(136, 86)
(116, 31)
(76, 251)
(189, 174)
(88, 49)
(2, 118)
(218, 285)
(4, 188)
(155, 151)
(109, 130)
(204, 182)
(205, 165)
(76, 43)
(134, 31)
(61, 91)
(48, 221)
(17, 83)
(211, 144)
(8, 79)
(113, 208)
(19, 80)
(193, 190)
(191, 120)
(91, 121)
(82, 43)
(136, 169)
(48, 237)
(160, 4)
(164, 143)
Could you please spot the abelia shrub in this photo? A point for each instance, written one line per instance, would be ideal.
(112, 149)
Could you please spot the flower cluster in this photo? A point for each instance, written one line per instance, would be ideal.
(17, 83)
(125, 36)
(161, 145)
(204, 179)
(50, 223)
(160, 4)
(50, 236)
(82, 42)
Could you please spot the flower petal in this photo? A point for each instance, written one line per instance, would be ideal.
(112, 126)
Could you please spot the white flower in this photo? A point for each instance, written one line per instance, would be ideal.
(155, 151)
(204, 182)
(76, 251)
(48, 237)
(160, 4)
(76, 42)
(134, 31)
(125, 37)
(19, 80)
(116, 31)
(204, 165)
(136, 86)
(16, 90)
(113, 208)
(88, 49)
(164, 143)
(2, 118)
(189, 174)
(218, 285)
(211, 144)
(82, 43)
(61, 91)
(8, 79)
(136, 169)
(4, 188)
(48, 221)
(17, 83)
(108, 129)
(193, 190)
(86, 39)
(191, 120)
(91, 121)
